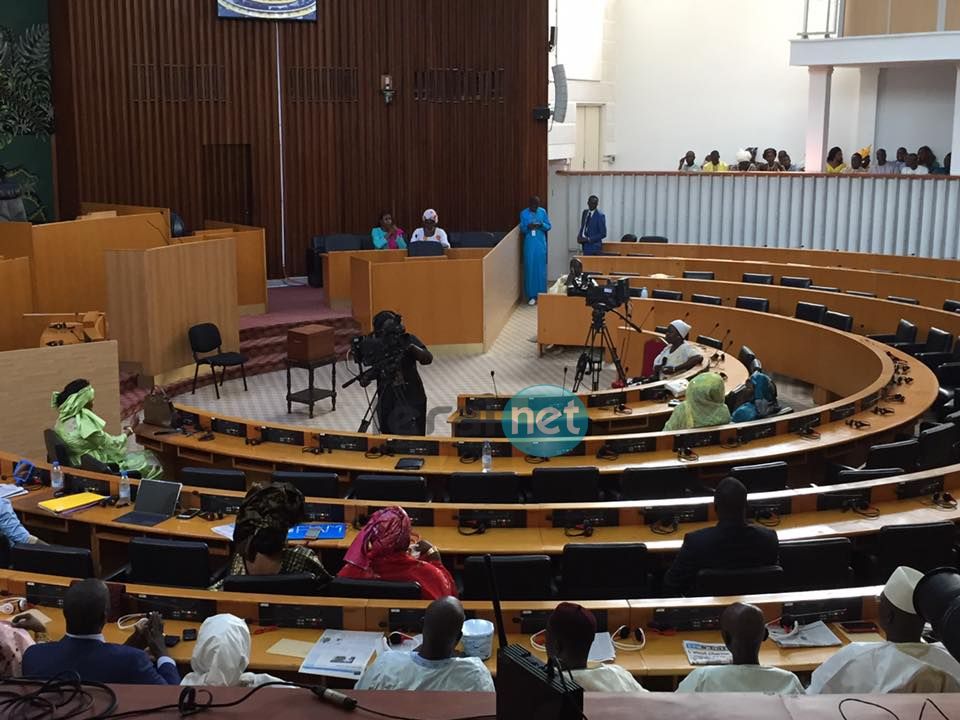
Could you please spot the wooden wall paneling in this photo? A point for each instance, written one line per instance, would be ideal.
(502, 282)
(29, 377)
(16, 239)
(17, 300)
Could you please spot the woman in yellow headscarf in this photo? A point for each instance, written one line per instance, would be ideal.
(82, 431)
(703, 406)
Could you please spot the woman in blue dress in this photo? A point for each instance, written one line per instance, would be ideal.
(534, 226)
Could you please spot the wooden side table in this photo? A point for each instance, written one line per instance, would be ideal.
(312, 395)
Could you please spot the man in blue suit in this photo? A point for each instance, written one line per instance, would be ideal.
(85, 652)
(593, 228)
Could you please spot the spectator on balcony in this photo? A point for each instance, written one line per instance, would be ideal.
(770, 162)
(927, 159)
(913, 166)
(945, 169)
(713, 163)
(835, 163)
(745, 161)
(783, 157)
(882, 167)
(856, 164)
(688, 163)
(901, 158)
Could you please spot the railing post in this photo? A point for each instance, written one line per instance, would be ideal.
(806, 19)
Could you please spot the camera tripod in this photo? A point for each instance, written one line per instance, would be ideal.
(387, 368)
(598, 343)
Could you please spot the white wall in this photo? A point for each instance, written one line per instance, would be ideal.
(915, 107)
(586, 47)
(702, 75)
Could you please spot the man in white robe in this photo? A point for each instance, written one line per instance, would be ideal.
(902, 664)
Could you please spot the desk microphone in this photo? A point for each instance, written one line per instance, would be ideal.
(493, 379)
(334, 698)
(647, 316)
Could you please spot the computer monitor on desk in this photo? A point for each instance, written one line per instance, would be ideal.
(425, 248)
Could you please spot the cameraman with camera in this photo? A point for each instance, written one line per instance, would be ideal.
(392, 355)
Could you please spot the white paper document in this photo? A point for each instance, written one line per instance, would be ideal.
(341, 654)
(707, 653)
(224, 531)
(11, 491)
(602, 649)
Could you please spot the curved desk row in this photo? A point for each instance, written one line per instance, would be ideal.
(805, 513)
(930, 292)
(943, 268)
(271, 618)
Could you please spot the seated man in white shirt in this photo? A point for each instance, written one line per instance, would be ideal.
(901, 664)
(743, 630)
(430, 232)
(570, 632)
(434, 665)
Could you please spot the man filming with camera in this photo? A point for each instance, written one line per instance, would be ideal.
(392, 355)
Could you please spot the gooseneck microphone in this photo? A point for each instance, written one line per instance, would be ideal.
(493, 379)
(647, 316)
(334, 697)
(564, 386)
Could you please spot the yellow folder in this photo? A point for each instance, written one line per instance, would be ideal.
(71, 502)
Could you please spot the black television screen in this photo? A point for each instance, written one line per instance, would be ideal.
(268, 9)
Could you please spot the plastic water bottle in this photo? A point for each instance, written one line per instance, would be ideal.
(56, 477)
(124, 494)
(486, 456)
(643, 292)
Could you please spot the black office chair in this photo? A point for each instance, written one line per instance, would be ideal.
(604, 571)
(738, 396)
(795, 282)
(901, 454)
(923, 546)
(427, 248)
(937, 446)
(204, 339)
(748, 359)
(711, 341)
(565, 485)
(951, 305)
(860, 293)
(653, 238)
(746, 302)
(902, 299)
(295, 584)
(764, 477)
(906, 333)
(490, 488)
(311, 484)
(758, 278)
(838, 321)
(402, 488)
(750, 581)
(215, 478)
(811, 312)
(850, 475)
(646, 483)
(56, 449)
(52, 560)
(706, 299)
(341, 241)
(934, 360)
(519, 577)
(659, 294)
(816, 564)
(373, 589)
(938, 341)
(476, 239)
(698, 275)
(177, 563)
(948, 376)
(825, 288)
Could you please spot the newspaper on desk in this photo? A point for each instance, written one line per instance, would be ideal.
(341, 654)
(699, 653)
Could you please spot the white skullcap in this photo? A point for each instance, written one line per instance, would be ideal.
(900, 586)
(743, 156)
(681, 327)
(430, 215)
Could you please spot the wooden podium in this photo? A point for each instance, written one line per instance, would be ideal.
(156, 295)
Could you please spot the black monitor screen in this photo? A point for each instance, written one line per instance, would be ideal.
(268, 9)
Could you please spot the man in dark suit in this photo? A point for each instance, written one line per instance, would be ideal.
(732, 544)
(85, 652)
(593, 228)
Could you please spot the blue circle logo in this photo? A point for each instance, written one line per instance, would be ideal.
(545, 420)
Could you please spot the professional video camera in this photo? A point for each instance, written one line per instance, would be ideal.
(609, 296)
(378, 350)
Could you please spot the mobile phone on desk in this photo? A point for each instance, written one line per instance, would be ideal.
(859, 626)
(171, 640)
(188, 514)
(189, 634)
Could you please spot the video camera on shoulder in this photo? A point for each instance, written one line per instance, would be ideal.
(388, 340)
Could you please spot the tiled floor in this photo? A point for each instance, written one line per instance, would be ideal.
(513, 357)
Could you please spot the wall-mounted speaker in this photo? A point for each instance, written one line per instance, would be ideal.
(559, 93)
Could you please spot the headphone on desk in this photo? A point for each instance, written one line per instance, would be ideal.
(584, 529)
(621, 637)
(14, 605)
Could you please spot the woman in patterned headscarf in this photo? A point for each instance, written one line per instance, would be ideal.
(384, 550)
(82, 431)
(703, 406)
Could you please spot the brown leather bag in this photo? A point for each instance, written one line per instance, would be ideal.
(158, 409)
